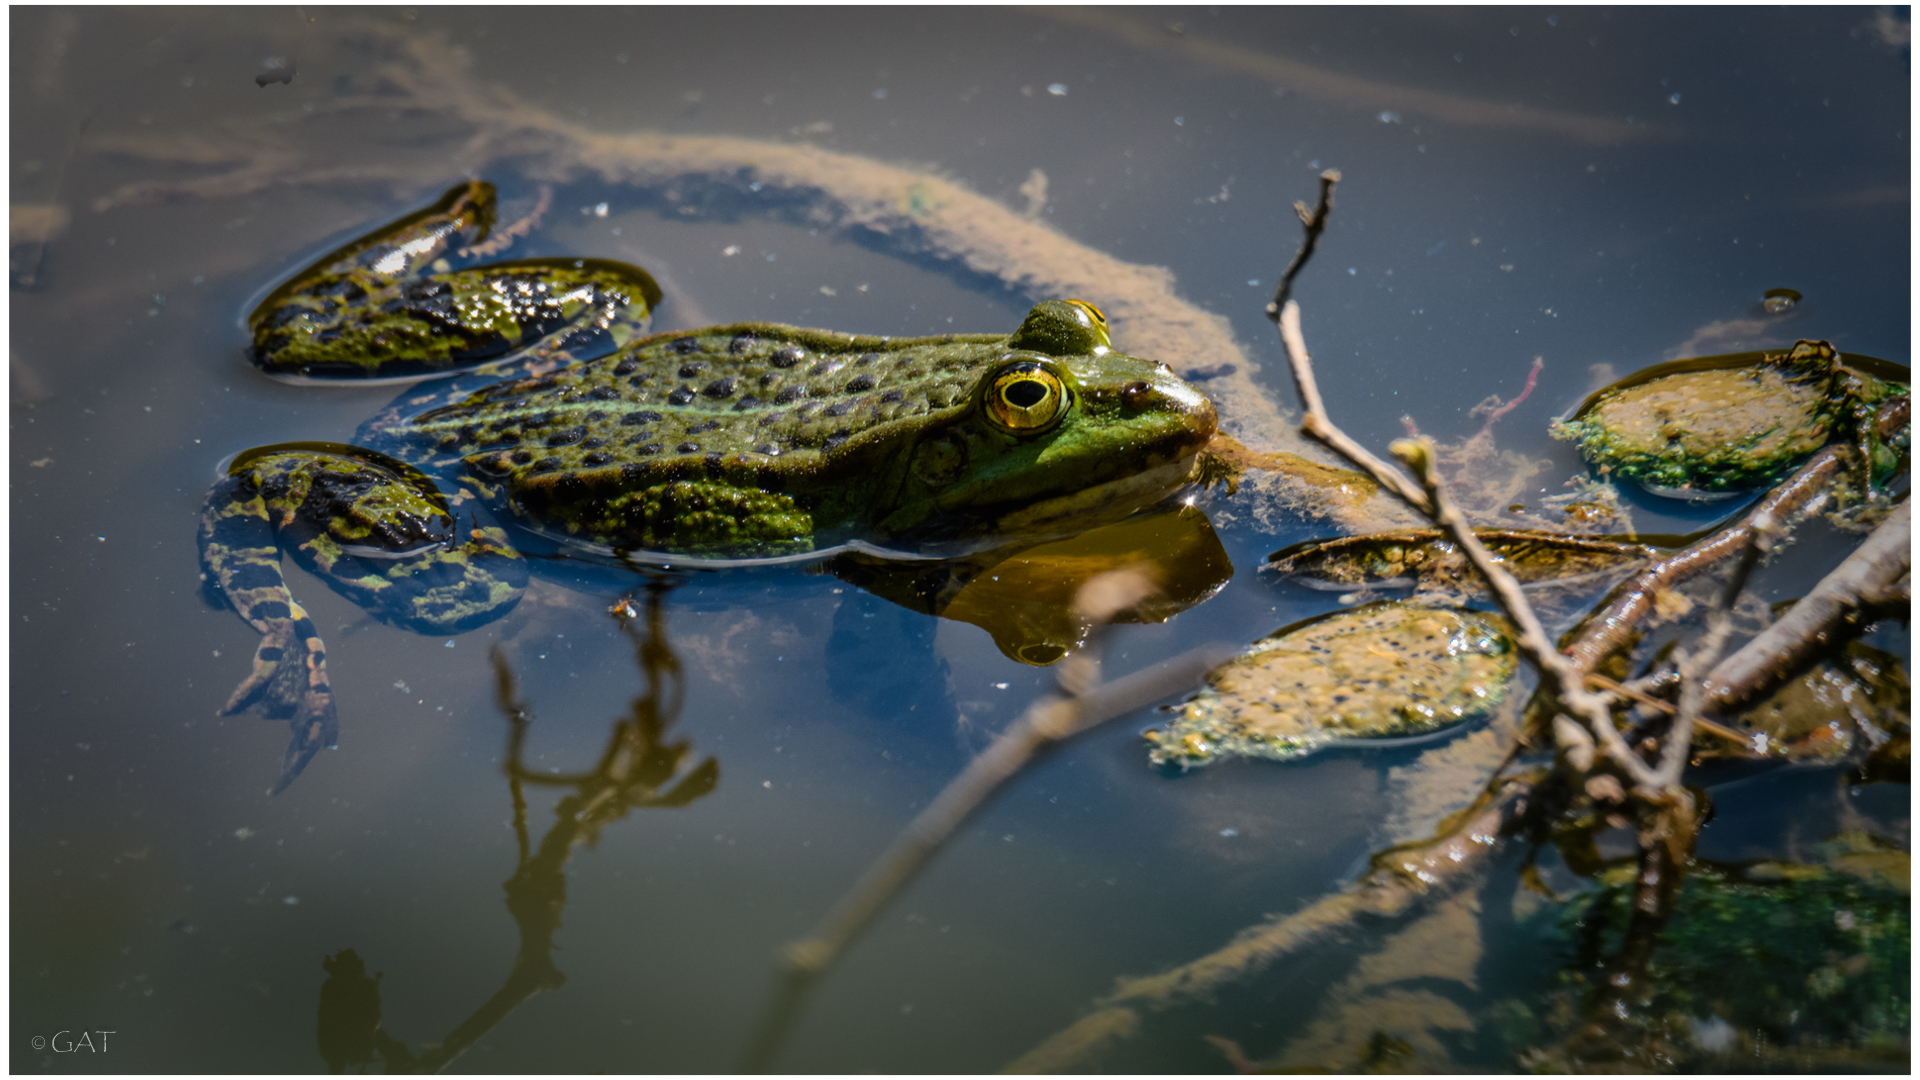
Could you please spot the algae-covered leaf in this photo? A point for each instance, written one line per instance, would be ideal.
(1714, 426)
(1427, 560)
(1380, 672)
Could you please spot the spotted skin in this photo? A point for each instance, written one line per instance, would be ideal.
(380, 307)
(736, 441)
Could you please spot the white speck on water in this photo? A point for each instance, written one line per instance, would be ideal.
(449, 643)
(880, 94)
(1674, 99)
(1229, 832)
(1179, 120)
(1058, 89)
(730, 249)
(999, 686)
(290, 900)
(1353, 269)
(1389, 117)
(1254, 281)
(243, 833)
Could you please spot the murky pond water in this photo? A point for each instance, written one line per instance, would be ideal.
(1602, 190)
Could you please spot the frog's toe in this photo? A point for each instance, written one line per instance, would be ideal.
(311, 733)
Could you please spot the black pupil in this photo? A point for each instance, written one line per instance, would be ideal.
(1025, 394)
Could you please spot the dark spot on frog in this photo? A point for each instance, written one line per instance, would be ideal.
(591, 443)
(867, 358)
(860, 382)
(838, 408)
(546, 465)
(644, 416)
(789, 394)
(834, 440)
(719, 388)
(766, 448)
(700, 429)
(688, 448)
(567, 437)
(605, 393)
(787, 357)
(647, 448)
(741, 343)
(745, 403)
(598, 457)
(1136, 395)
(684, 345)
(681, 396)
(891, 396)
(625, 367)
(521, 457)
(691, 368)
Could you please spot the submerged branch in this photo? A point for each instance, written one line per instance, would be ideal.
(1081, 705)
(1404, 881)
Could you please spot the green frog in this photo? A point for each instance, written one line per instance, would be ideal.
(552, 407)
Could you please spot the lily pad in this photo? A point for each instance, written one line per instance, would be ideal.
(1380, 672)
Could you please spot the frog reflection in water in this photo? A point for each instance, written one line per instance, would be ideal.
(728, 444)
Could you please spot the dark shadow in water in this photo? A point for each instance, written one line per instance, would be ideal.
(639, 769)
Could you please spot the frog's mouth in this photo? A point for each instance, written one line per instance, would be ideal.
(1110, 501)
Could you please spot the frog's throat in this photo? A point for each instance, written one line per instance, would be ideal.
(1113, 499)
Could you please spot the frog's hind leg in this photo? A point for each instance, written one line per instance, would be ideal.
(289, 678)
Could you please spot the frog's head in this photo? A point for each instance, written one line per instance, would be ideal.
(1059, 429)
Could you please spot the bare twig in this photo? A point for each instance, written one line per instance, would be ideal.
(1811, 626)
(1318, 425)
(1562, 681)
(1692, 665)
(1081, 705)
(1315, 221)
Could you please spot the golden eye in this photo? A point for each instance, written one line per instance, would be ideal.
(1098, 318)
(1026, 398)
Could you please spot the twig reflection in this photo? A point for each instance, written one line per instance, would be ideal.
(638, 769)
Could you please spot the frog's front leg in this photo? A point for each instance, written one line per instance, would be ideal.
(377, 531)
(388, 306)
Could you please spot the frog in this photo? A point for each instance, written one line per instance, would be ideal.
(536, 398)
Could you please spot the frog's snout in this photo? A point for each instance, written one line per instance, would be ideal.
(1196, 412)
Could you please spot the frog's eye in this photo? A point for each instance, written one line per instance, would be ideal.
(1025, 399)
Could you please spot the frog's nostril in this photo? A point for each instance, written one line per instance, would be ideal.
(1136, 396)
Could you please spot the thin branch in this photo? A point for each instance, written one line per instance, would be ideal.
(1321, 427)
(1315, 221)
(1823, 614)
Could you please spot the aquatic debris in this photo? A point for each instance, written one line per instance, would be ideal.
(1425, 559)
(1379, 672)
(1779, 301)
(1715, 426)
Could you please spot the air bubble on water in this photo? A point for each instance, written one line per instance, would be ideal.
(1673, 99)
(1057, 89)
(1389, 117)
(1779, 301)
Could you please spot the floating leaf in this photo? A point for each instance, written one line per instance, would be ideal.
(1384, 671)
